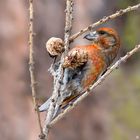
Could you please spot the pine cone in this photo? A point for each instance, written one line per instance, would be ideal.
(55, 46)
(75, 59)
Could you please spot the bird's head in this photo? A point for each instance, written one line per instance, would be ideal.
(104, 37)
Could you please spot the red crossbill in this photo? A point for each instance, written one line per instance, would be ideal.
(83, 65)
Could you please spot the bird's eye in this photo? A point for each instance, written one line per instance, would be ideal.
(102, 32)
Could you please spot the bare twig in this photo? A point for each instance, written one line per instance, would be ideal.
(31, 66)
(105, 19)
(57, 80)
(99, 81)
(68, 23)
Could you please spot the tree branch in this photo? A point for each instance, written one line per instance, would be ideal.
(31, 67)
(97, 83)
(57, 80)
(105, 19)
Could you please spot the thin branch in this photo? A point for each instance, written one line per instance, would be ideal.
(68, 24)
(31, 66)
(57, 80)
(99, 81)
(105, 19)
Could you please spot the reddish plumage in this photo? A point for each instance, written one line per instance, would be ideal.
(96, 63)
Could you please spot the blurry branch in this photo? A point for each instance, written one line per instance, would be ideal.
(98, 82)
(105, 19)
(31, 65)
(57, 80)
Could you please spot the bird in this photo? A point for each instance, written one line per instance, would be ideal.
(84, 64)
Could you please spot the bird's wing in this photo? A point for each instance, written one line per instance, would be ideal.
(70, 89)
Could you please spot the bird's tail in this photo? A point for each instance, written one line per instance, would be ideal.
(45, 106)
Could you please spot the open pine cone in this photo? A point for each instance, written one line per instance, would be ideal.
(55, 46)
(75, 59)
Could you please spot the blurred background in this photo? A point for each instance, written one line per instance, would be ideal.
(111, 113)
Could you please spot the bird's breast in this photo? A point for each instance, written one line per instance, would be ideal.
(95, 66)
